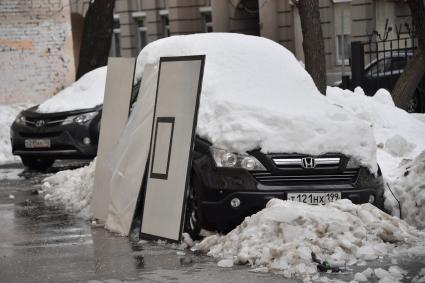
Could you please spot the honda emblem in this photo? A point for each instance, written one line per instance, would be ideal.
(40, 123)
(308, 162)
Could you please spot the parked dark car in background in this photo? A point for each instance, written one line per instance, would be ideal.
(384, 73)
(41, 138)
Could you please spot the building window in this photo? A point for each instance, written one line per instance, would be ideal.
(343, 42)
(165, 21)
(141, 34)
(115, 50)
(342, 16)
(206, 16)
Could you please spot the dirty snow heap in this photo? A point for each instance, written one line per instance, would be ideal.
(286, 236)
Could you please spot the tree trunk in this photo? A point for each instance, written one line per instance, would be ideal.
(408, 81)
(415, 70)
(97, 35)
(313, 44)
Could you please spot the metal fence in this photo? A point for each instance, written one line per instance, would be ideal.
(378, 62)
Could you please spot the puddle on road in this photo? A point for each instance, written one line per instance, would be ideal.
(10, 174)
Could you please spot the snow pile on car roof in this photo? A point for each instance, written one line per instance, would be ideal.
(400, 138)
(255, 94)
(8, 114)
(85, 93)
(293, 238)
(71, 188)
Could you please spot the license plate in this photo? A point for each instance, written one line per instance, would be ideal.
(37, 143)
(315, 198)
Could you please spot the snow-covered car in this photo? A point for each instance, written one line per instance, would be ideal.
(264, 131)
(65, 126)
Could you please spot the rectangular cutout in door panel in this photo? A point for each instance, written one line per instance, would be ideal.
(162, 145)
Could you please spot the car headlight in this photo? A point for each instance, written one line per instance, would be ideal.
(224, 158)
(20, 119)
(80, 119)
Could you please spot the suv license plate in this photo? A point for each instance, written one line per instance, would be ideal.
(314, 198)
(37, 143)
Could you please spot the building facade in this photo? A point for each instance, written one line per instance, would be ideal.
(36, 51)
(138, 22)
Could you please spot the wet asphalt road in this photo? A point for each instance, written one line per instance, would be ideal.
(44, 243)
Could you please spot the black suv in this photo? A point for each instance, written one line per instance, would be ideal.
(226, 187)
(41, 138)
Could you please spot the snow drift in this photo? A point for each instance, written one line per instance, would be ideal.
(255, 94)
(399, 135)
(71, 188)
(409, 187)
(85, 93)
(400, 138)
(283, 236)
(8, 114)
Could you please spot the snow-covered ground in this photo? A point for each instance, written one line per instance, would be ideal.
(400, 138)
(392, 275)
(8, 114)
(408, 184)
(284, 236)
(420, 278)
(10, 174)
(71, 188)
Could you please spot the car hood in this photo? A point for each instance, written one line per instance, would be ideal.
(33, 113)
(87, 92)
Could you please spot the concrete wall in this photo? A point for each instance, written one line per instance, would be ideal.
(127, 38)
(363, 21)
(289, 30)
(184, 16)
(36, 50)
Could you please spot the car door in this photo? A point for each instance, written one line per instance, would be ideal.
(374, 76)
(397, 66)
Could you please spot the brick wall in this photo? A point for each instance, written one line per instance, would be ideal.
(36, 54)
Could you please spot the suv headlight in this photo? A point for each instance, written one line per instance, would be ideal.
(224, 158)
(20, 119)
(80, 119)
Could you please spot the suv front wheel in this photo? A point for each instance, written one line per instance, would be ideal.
(194, 218)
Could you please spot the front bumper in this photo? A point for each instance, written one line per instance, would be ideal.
(66, 141)
(222, 214)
